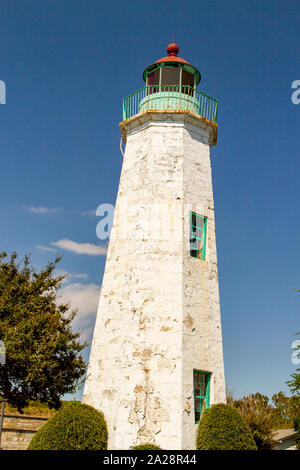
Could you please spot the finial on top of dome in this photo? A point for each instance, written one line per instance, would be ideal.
(172, 49)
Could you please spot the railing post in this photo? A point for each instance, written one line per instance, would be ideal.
(216, 113)
(124, 110)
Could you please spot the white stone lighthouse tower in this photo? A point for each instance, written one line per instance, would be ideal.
(156, 361)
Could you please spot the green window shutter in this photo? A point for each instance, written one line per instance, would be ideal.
(198, 229)
(201, 392)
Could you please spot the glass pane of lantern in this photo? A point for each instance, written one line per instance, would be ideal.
(170, 76)
(187, 82)
(152, 79)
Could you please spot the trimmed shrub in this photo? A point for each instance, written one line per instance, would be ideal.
(145, 447)
(223, 428)
(297, 428)
(75, 427)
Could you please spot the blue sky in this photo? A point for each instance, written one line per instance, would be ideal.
(67, 65)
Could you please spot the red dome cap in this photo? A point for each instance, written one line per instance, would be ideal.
(172, 49)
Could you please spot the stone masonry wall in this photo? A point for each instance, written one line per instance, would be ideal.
(18, 430)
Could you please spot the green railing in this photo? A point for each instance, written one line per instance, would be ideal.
(170, 98)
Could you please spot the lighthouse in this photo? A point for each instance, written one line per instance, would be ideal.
(156, 361)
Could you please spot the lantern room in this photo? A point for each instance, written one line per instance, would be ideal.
(171, 87)
(172, 70)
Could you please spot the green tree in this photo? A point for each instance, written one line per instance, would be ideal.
(286, 409)
(43, 359)
(258, 414)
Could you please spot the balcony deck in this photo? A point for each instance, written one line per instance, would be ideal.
(170, 98)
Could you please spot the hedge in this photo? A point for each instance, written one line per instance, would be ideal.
(75, 427)
(223, 428)
(145, 447)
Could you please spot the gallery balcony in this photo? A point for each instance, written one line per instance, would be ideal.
(170, 98)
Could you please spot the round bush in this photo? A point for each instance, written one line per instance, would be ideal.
(75, 427)
(297, 428)
(223, 428)
(146, 447)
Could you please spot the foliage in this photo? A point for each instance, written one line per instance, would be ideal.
(230, 398)
(75, 427)
(43, 359)
(145, 447)
(223, 428)
(259, 416)
(34, 408)
(294, 383)
(264, 417)
(286, 409)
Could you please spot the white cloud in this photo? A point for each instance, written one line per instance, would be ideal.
(81, 248)
(87, 335)
(89, 212)
(80, 276)
(84, 298)
(45, 248)
(40, 210)
(62, 272)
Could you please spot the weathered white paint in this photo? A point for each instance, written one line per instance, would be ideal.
(159, 314)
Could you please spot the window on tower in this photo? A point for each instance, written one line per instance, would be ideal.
(201, 393)
(198, 225)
